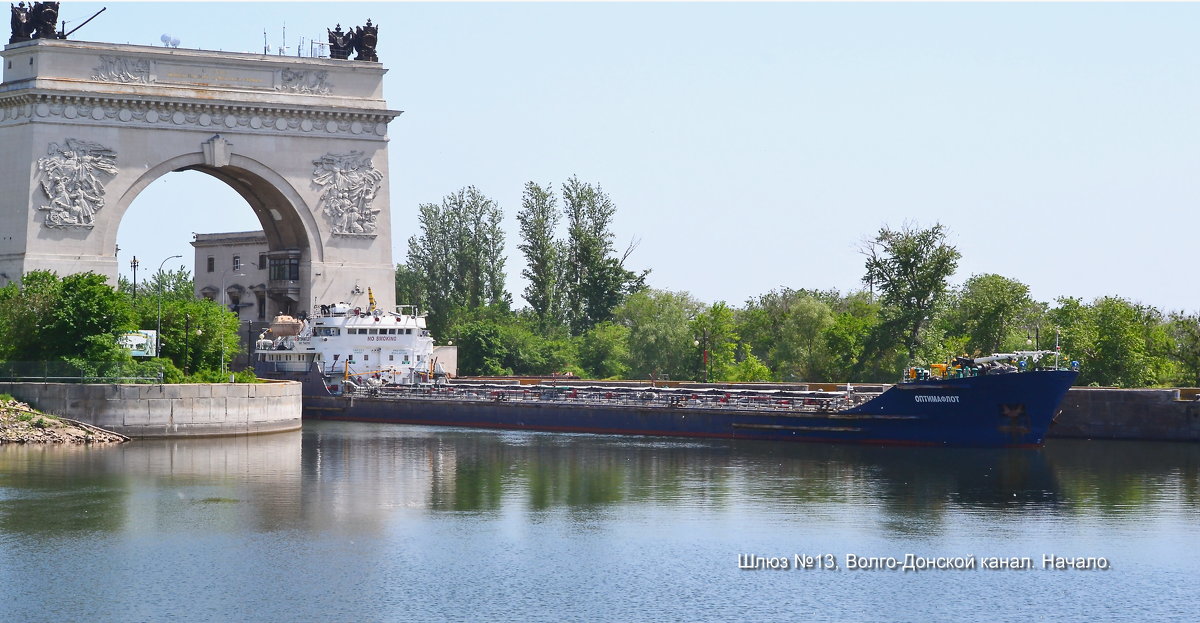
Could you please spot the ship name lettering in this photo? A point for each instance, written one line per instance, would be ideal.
(936, 398)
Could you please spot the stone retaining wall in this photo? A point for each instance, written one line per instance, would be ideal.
(170, 410)
(1107, 413)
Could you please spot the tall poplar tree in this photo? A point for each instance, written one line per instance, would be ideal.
(594, 281)
(459, 255)
(539, 218)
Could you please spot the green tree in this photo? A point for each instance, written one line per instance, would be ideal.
(538, 219)
(750, 369)
(1118, 343)
(594, 281)
(194, 332)
(409, 286)
(481, 350)
(716, 340)
(458, 256)
(1185, 332)
(46, 318)
(855, 320)
(787, 328)
(604, 351)
(910, 267)
(660, 333)
(993, 314)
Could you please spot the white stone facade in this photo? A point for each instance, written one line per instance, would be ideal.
(86, 126)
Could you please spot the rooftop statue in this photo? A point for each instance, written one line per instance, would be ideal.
(38, 20)
(340, 43)
(365, 38)
(361, 39)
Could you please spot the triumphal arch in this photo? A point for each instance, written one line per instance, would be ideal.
(85, 127)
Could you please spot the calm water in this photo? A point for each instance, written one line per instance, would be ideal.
(353, 522)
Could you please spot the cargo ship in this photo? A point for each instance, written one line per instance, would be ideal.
(377, 366)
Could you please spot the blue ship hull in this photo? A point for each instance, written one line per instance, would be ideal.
(1003, 410)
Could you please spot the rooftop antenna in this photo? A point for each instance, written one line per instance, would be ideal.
(283, 42)
(266, 46)
(66, 34)
(319, 46)
(169, 41)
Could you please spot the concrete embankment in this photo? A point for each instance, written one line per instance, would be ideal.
(1150, 414)
(170, 410)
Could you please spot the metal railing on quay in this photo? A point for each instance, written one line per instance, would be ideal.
(82, 372)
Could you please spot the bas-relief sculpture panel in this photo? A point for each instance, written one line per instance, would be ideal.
(70, 177)
(349, 184)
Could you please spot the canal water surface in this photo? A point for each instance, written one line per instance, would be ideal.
(367, 522)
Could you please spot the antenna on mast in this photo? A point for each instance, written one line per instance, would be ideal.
(63, 33)
(266, 46)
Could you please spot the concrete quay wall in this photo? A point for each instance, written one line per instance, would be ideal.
(1149, 414)
(170, 410)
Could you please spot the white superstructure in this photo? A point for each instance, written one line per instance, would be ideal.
(369, 346)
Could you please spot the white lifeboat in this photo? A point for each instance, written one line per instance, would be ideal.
(286, 326)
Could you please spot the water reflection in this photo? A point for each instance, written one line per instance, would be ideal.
(242, 482)
(347, 477)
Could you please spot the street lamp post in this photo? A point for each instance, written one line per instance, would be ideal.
(134, 263)
(158, 330)
(187, 342)
(226, 306)
(705, 353)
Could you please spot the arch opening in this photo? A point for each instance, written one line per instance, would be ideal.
(249, 259)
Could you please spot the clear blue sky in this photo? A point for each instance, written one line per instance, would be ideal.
(752, 146)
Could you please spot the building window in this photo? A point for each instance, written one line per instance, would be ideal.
(212, 264)
(237, 262)
(262, 305)
(284, 269)
(262, 261)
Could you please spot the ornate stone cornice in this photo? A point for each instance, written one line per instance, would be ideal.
(208, 117)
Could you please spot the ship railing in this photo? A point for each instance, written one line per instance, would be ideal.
(647, 397)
